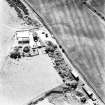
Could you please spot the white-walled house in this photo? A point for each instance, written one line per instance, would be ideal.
(25, 37)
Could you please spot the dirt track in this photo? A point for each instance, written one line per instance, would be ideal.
(81, 34)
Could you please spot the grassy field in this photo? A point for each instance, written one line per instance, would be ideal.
(24, 80)
(81, 34)
(9, 23)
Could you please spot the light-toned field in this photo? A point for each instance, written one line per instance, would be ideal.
(81, 34)
(9, 23)
(24, 80)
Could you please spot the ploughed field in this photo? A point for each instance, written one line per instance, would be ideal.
(81, 34)
(99, 5)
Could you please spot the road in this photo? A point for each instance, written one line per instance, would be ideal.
(47, 26)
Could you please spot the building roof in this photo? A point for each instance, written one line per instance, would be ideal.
(23, 34)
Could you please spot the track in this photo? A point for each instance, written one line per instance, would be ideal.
(49, 29)
(94, 10)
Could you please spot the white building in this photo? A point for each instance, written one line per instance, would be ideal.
(24, 37)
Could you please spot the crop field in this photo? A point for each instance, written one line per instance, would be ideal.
(99, 5)
(81, 34)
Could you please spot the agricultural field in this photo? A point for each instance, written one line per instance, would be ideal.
(81, 34)
(99, 5)
(21, 81)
